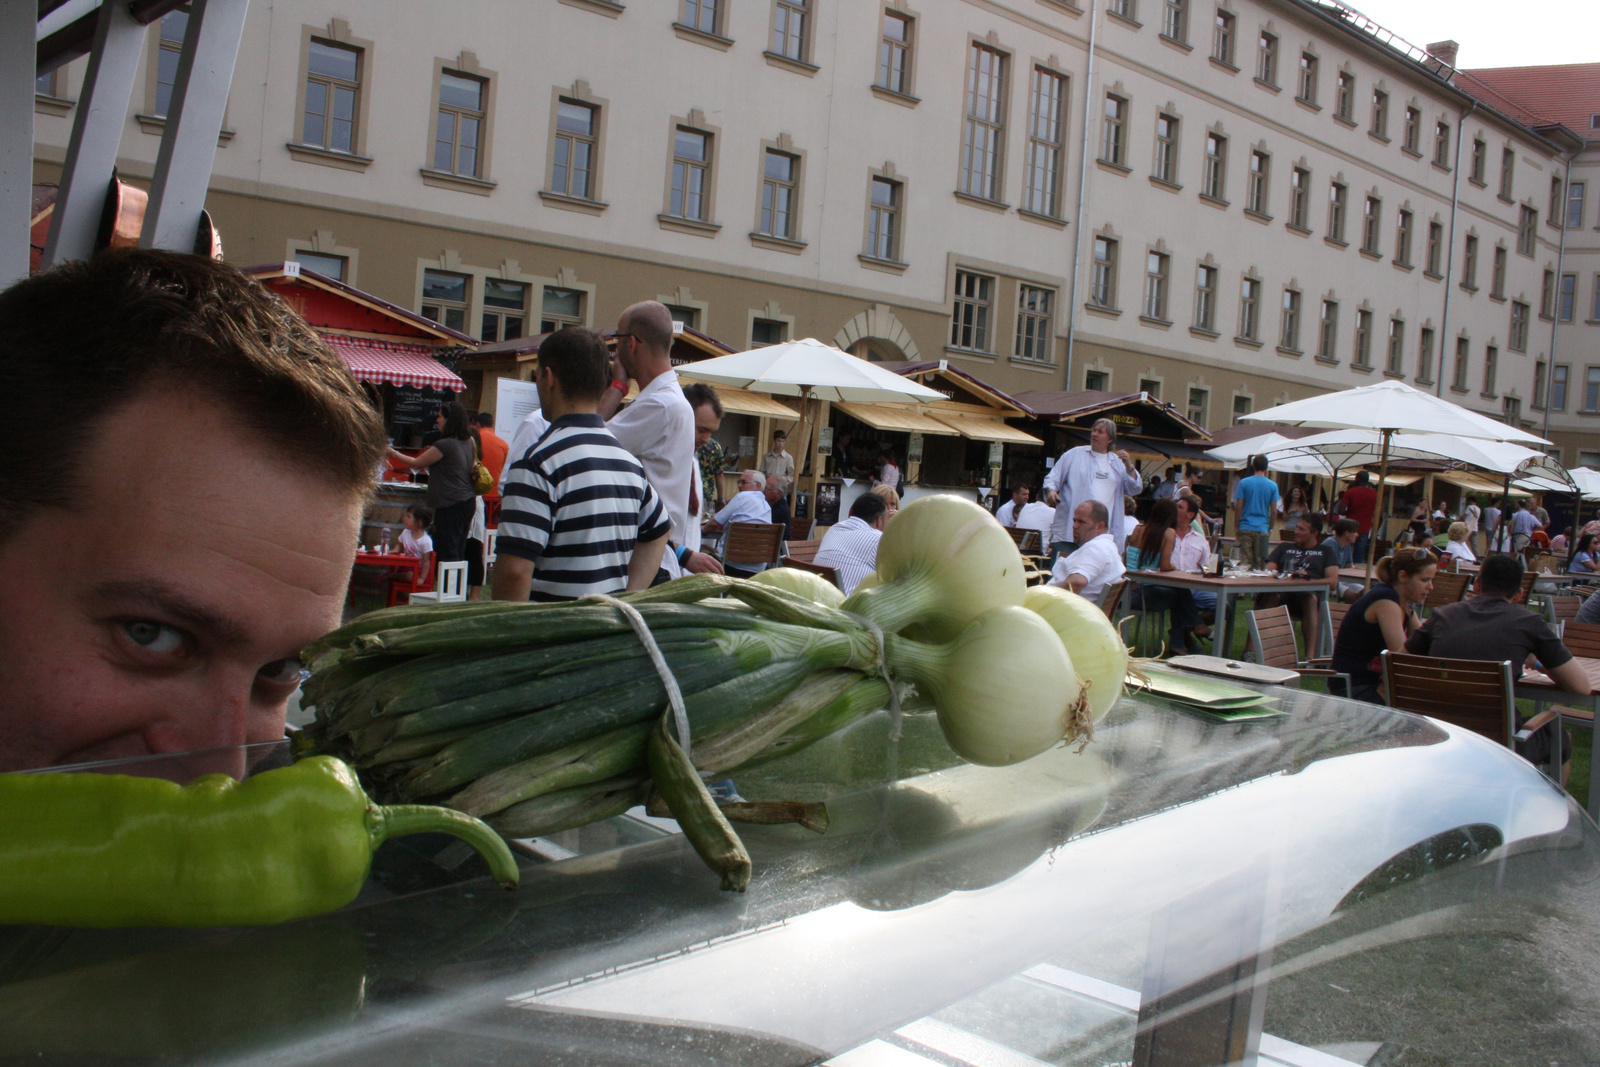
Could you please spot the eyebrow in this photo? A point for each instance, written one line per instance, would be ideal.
(174, 604)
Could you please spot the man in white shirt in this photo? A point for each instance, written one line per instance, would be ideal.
(1007, 513)
(1096, 563)
(778, 461)
(528, 433)
(658, 427)
(1036, 516)
(851, 547)
(749, 504)
(1169, 487)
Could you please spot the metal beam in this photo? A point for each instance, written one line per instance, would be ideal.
(189, 143)
(102, 113)
(17, 21)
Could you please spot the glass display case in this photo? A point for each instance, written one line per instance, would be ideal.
(1343, 884)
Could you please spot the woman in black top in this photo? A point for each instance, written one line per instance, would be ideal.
(1381, 620)
(448, 462)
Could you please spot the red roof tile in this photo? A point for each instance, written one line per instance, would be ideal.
(1568, 94)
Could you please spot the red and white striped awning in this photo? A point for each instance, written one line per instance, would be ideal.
(394, 362)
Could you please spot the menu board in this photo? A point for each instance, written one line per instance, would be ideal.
(415, 406)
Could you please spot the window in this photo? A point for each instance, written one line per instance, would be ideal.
(1308, 78)
(687, 316)
(1547, 295)
(1458, 380)
(1425, 355)
(1538, 385)
(883, 220)
(1594, 305)
(1175, 20)
(1569, 297)
(1336, 196)
(444, 298)
(789, 29)
(1103, 279)
(1166, 167)
(1289, 323)
(1256, 193)
(1249, 308)
(327, 266)
(1380, 114)
(1413, 133)
(333, 80)
(779, 176)
(691, 175)
(700, 15)
(1558, 387)
(894, 53)
(1469, 263)
(1397, 347)
(1034, 340)
(174, 24)
(1508, 162)
(984, 131)
(1328, 332)
(1151, 387)
(1216, 167)
(1363, 350)
(1267, 59)
(1527, 226)
(1344, 100)
(460, 123)
(1113, 145)
(572, 162)
(1155, 286)
(1517, 339)
(562, 307)
(505, 310)
(1205, 299)
(45, 84)
(1097, 381)
(1491, 359)
(1198, 400)
(1555, 200)
(1242, 406)
(1222, 38)
(1402, 238)
(1371, 223)
(1480, 160)
(764, 332)
(1441, 144)
(1575, 191)
(1299, 185)
(1435, 247)
(969, 323)
(1128, 9)
(1591, 389)
(1511, 411)
(1046, 143)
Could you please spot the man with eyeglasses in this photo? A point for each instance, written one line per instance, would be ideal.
(749, 504)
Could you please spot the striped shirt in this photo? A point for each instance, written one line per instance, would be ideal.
(850, 548)
(575, 505)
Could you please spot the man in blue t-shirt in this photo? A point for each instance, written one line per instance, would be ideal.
(1253, 501)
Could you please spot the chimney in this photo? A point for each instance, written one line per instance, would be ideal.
(1445, 52)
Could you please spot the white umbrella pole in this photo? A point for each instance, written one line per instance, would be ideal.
(1372, 538)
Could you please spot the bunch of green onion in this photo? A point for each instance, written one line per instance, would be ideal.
(541, 717)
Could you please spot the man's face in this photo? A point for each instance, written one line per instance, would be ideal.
(1185, 511)
(1100, 438)
(706, 423)
(1349, 537)
(774, 490)
(165, 610)
(1020, 497)
(626, 346)
(778, 442)
(747, 483)
(1083, 526)
(1304, 535)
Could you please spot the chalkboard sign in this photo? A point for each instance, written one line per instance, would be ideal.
(415, 406)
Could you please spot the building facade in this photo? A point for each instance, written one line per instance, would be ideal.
(1228, 204)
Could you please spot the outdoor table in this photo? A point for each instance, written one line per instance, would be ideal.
(1537, 687)
(1233, 586)
(397, 560)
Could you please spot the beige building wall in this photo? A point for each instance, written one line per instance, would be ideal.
(1574, 419)
(385, 209)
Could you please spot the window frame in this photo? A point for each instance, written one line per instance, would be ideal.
(1527, 230)
(894, 211)
(595, 141)
(1164, 161)
(549, 321)
(991, 175)
(1046, 158)
(1175, 21)
(1198, 410)
(1289, 320)
(704, 223)
(1299, 198)
(1258, 180)
(1205, 297)
(1404, 230)
(443, 305)
(1308, 75)
(1214, 167)
(1497, 272)
(1441, 144)
(1361, 354)
(1328, 331)
(1103, 273)
(905, 48)
(501, 312)
(1491, 372)
(1463, 365)
(1157, 276)
(1469, 262)
(780, 35)
(331, 84)
(1435, 250)
(1338, 200)
(719, 14)
(482, 116)
(1249, 325)
(1371, 225)
(1517, 333)
(1035, 328)
(1344, 96)
(336, 33)
(1567, 297)
(977, 327)
(1572, 218)
(1379, 122)
(1425, 354)
(1508, 166)
(1395, 356)
(1591, 389)
(1411, 137)
(1480, 161)
(1267, 58)
(1224, 37)
(767, 209)
(1561, 379)
(1114, 130)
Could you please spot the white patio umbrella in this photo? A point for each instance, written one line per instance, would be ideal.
(1347, 448)
(812, 371)
(1235, 455)
(1391, 408)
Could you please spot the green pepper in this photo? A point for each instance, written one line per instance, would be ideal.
(110, 850)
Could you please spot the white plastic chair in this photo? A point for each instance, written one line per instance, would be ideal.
(449, 585)
(490, 537)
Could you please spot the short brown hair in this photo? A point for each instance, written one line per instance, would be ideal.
(81, 340)
(579, 360)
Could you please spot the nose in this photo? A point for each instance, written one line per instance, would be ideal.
(216, 716)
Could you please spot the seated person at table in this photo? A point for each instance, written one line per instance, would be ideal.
(1189, 553)
(1457, 546)
(1341, 542)
(1006, 514)
(1307, 557)
(579, 516)
(1493, 626)
(181, 506)
(414, 539)
(749, 504)
(1380, 620)
(1150, 548)
(851, 547)
(1095, 563)
(1583, 557)
(777, 494)
(1036, 515)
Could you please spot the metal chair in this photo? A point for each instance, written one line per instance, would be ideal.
(1476, 695)
(818, 569)
(748, 545)
(450, 587)
(1272, 636)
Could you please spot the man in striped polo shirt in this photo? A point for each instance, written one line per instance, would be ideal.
(579, 515)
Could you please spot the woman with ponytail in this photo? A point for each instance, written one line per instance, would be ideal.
(1382, 619)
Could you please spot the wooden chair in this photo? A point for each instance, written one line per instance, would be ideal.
(1564, 609)
(1027, 540)
(1111, 599)
(747, 545)
(1582, 639)
(1272, 635)
(800, 529)
(1476, 695)
(1447, 589)
(1337, 610)
(829, 573)
(804, 551)
(450, 587)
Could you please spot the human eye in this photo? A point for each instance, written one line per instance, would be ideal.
(287, 671)
(155, 637)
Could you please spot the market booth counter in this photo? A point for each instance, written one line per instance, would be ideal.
(1339, 884)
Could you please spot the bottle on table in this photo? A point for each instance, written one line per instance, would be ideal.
(383, 542)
